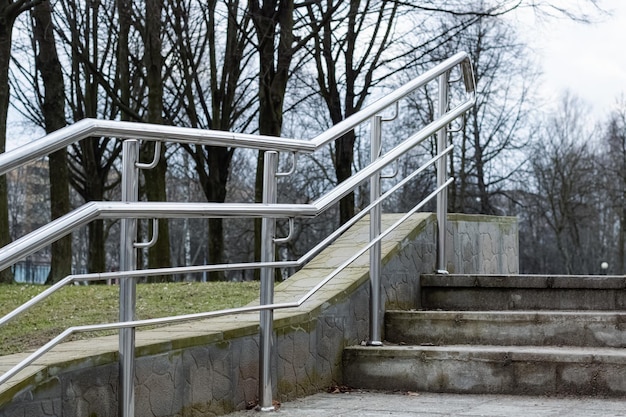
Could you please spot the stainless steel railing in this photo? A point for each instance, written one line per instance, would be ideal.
(149, 210)
(129, 210)
(88, 128)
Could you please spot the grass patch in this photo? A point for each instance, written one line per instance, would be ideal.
(94, 304)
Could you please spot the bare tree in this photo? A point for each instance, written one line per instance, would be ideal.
(154, 184)
(274, 24)
(494, 131)
(91, 160)
(53, 109)
(85, 63)
(614, 169)
(364, 45)
(211, 91)
(562, 191)
(348, 51)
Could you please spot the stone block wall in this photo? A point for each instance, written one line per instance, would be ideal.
(479, 244)
(210, 367)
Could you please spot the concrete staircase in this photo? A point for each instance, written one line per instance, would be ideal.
(539, 335)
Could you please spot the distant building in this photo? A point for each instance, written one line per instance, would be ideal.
(29, 209)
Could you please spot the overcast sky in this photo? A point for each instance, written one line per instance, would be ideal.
(589, 60)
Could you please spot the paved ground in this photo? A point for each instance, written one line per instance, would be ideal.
(375, 404)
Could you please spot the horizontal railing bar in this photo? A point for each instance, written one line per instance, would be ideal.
(94, 128)
(94, 210)
(142, 273)
(173, 210)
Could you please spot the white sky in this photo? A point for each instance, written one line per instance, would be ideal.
(587, 59)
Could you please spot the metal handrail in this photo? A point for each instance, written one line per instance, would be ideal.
(101, 276)
(90, 128)
(129, 210)
(60, 227)
(197, 316)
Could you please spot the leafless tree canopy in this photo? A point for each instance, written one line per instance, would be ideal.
(295, 68)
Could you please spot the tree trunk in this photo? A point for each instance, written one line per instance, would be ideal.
(48, 65)
(6, 276)
(124, 8)
(346, 65)
(218, 160)
(344, 157)
(274, 64)
(90, 183)
(155, 184)
(96, 260)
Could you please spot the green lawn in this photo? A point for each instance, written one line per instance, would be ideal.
(94, 304)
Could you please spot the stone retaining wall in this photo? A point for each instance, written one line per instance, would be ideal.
(211, 367)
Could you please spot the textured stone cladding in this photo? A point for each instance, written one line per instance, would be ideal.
(210, 367)
(480, 244)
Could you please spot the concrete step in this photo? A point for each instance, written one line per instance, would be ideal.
(522, 292)
(536, 335)
(545, 328)
(523, 370)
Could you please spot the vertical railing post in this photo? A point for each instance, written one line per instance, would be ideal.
(442, 177)
(128, 262)
(376, 307)
(268, 232)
